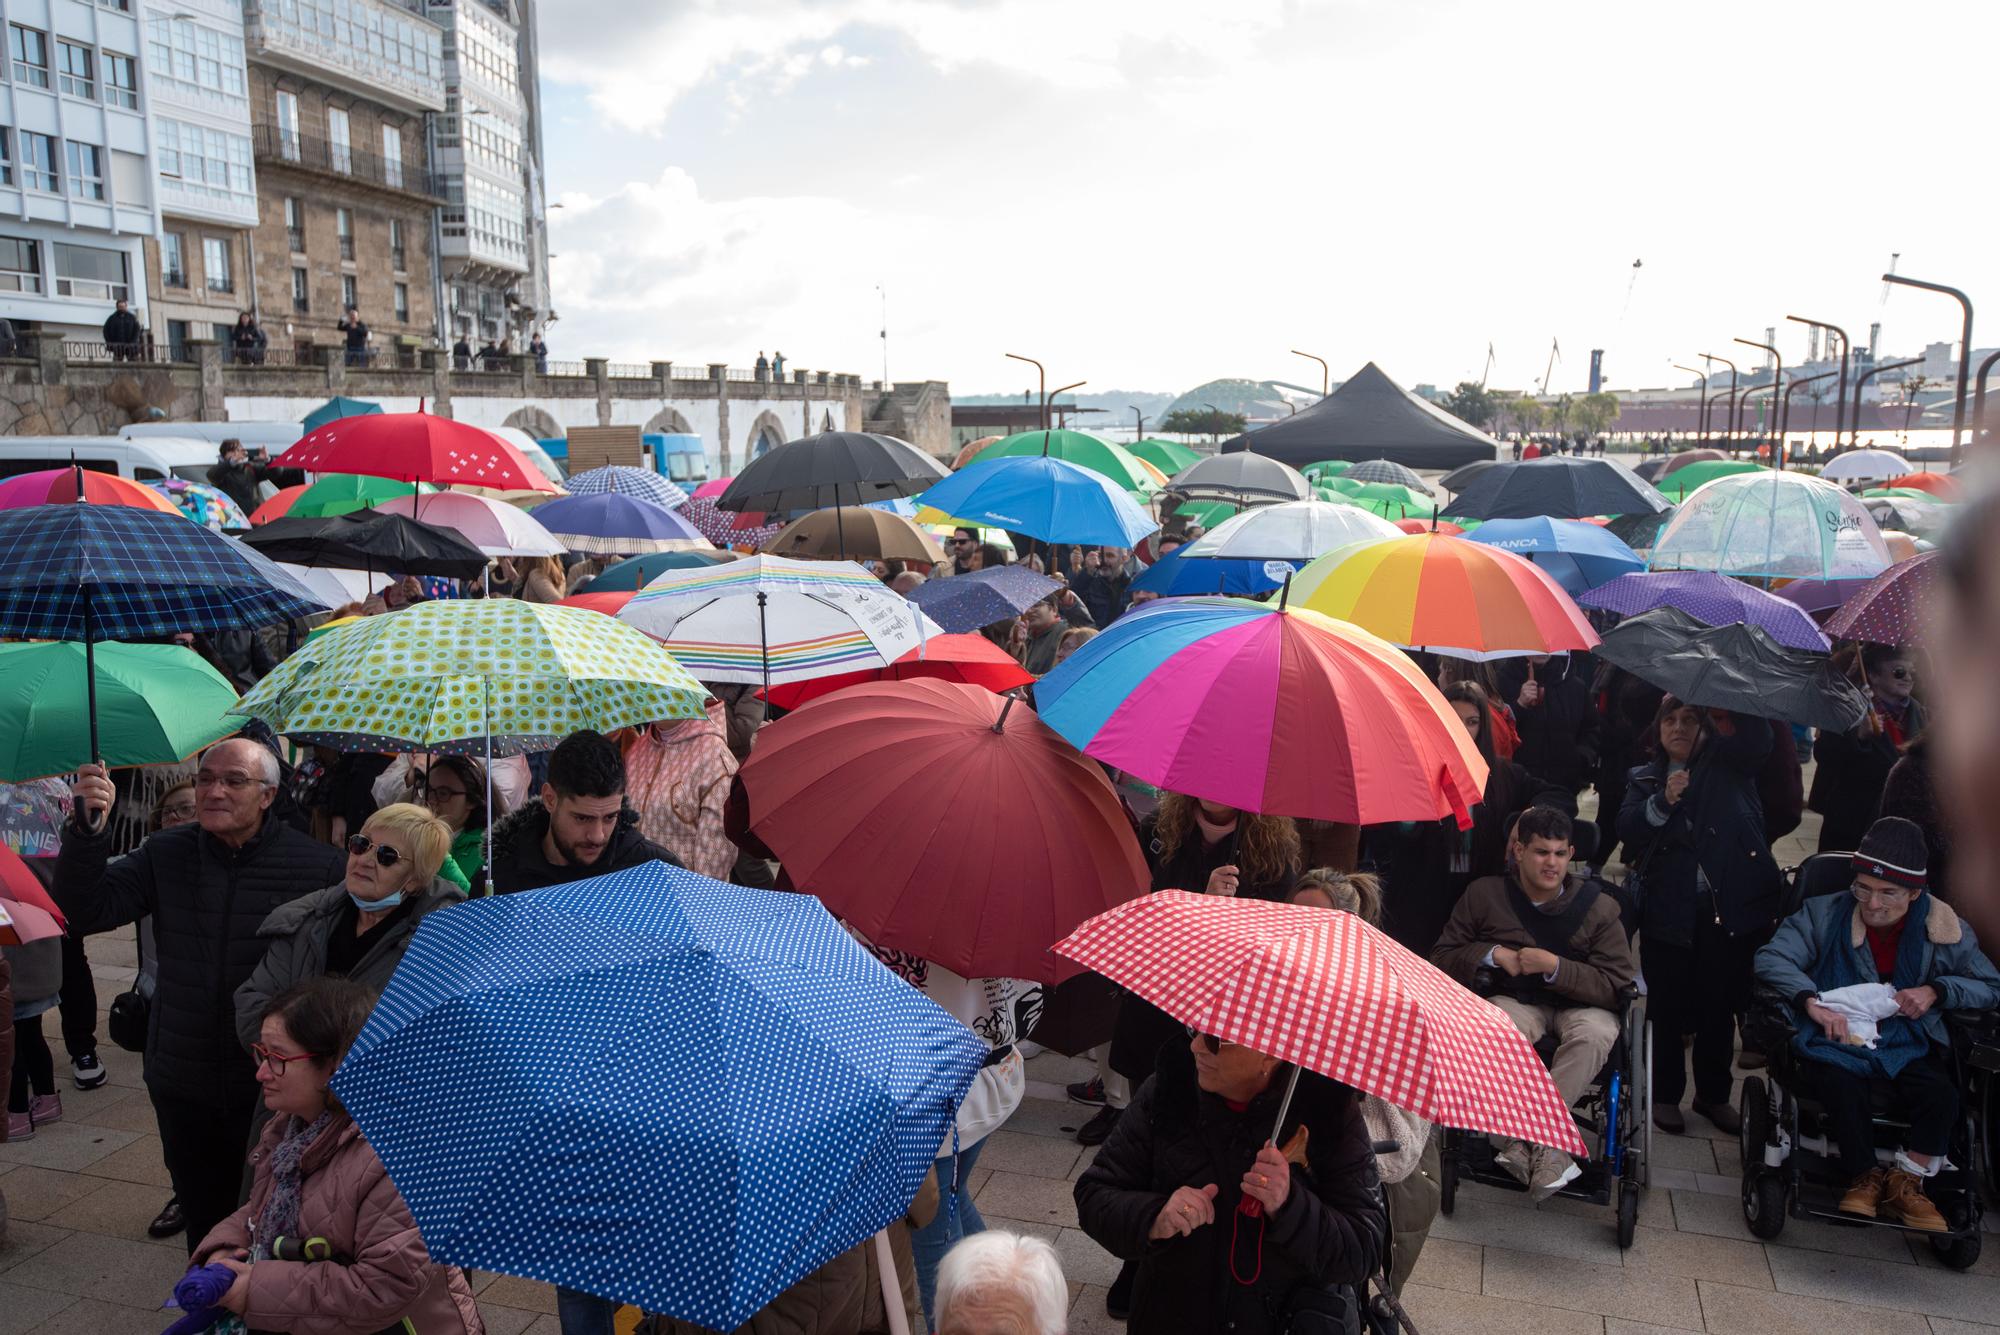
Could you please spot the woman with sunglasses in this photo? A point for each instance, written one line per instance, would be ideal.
(317, 1178)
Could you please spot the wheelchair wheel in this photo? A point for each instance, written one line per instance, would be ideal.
(1628, 1213)
(1764, 1204)
(1756, 1132)
(1957, 1253)
(1447, 1180)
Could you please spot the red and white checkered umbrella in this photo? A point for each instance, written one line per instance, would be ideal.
(1332, 994)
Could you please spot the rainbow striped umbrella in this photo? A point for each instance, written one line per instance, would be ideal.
(769, 620)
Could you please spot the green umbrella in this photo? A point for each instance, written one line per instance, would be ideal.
(1326, 469)
(1169, 456)
(336, 408)
(1390, 500)
(1206, 513)
(1082, 449)
(156, 704)
(344, 493)
(1904, 494)
(1678, 484)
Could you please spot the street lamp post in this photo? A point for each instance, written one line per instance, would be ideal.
(1840, 405)
(1711, 357)
(1055, 394)
(1702, 418)
(1778, 451)
(1861, 383)
(1215, 416)
(1325, 377)
(1794, 388)
(1979, 427)
(1041, 386)
(1138, 423)
(1964, 356)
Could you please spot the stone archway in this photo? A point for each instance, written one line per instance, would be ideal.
(536, 423)
(668, 422)
(766, 434)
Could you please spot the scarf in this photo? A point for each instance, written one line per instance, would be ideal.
(1902, 1040)
(280, 1218)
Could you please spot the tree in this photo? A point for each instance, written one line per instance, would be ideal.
(1472, 404)
(1202, 422)
(1594, 413)
(1561, 412)
(1526, 412)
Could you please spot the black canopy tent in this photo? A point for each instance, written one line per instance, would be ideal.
(1370, 417)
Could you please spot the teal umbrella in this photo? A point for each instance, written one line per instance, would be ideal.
(336, 408)
(156, 704)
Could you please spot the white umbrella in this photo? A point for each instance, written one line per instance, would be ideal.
(337, 588)
(494, 527)
(1294, 531)
(1867, 466)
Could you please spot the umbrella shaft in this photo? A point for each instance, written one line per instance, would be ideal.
(1285, 1105)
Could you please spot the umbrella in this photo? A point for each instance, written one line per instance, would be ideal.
(1209, 514)
(902, 506)
(21, 923)
(1641, 531)
(1695, 456)
(1819, 595)
(338, 494)
(1043, 498)
(1168, 456)
(1267, 709)
(663, 1089)
(970, 451)
(610, 602)
(1387, 470)
(278, 506)
(721, 527)
(1328, 992)
(1735, 667)
(1240, 479)
(639, 571)
(1455, 481)
(832, 468)
(1866, 466)
(337, 588)
(156, 704)
(1927, 518)
(1293, 531)
(1389, 500)
(618, 524)
(1890, 608)
(855, 531)
(1559, 486)
(1444, 526)
(768, 619)
(1712, 599)
(57, 486)
(1941, 485)
(369, 540)
(1771, 525)
(336, 408)
(1448, 596)
(1902, 547)
(1326, 469)
(418, 447)
(211, 507)
(836, 790)
(1177, 575)
(1682, 482)
(967, 602)
(1579, 556)
(494, 527)
(643, 483)
(972, 659)
(20, 885)
(1084, 450)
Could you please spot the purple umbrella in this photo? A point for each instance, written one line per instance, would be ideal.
(963, 603)
(1890, 608)
(615, 523)
(1713, 599)
(1821, 595)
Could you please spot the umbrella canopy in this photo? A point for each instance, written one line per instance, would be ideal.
(57, 486)
(278, 506)
(1169, 456)
(621, 525)
(21, 924)
(638, 571)
(1735, 667)
(1240, 479)
(970, 451)
(1890, 608)
(1177, 575)
(723, 528)
(1266, 709)
(832, 468)
(1388, 500)
(1819, 595)
(1771, 525)
(1455, 481)
(1941, 485)
(338, 588)
(1686, 457)
(1047, 837)
(1926, 518)
(1444, 526)
(1640, 532)
(1386, 470)
(458, 673)
(1293, 531)
(1866, 466)
(369, 540)
(856, 531)
(211, 507)
(779, 1095)
(1903, 547)
(967, 602)
(1325, 470)
(1370, 416)
(1084, 450)
(20, 885)
(494, 527)
(1559, 486)
(767, 619)
(339, 494)
(1578, 555)
(1682, 482)
(1330, 993)
(415, 447)
(610, 603)
(1714, 600)
(972, 659)
(1448, 596)
(156, 704)
(643, 483)
(1043, 498)
(336, 408)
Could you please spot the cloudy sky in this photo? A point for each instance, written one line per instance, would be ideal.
(1152, 193)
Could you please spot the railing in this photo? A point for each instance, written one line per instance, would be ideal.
(347, 247)
(629, 371)
(689, 372)
(145, 350)
(567, 368)
(272, 144)
(295, 237)
(738, 373)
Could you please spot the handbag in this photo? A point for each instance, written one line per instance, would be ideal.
(132, 1012)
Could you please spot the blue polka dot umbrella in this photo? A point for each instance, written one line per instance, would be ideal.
(653, 1087)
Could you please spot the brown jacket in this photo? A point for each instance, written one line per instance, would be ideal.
(347, 1198)
(1596, 964)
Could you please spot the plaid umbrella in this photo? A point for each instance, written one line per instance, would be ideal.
(626, 481)
(1386, 470)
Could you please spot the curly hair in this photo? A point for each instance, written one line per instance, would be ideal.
(1268, 846)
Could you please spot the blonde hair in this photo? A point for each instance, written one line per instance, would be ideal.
(428, 835)
(1349, 892)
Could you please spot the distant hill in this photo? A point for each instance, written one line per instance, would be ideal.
(1257, 400)
(1117, 404)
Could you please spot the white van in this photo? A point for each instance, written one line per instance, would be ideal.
(146, 460)
(277, 437)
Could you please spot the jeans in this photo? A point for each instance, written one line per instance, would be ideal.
(957, 1218)
(1924, 1090)
(584, 1313)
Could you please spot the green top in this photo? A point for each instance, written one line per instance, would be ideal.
(467, 856)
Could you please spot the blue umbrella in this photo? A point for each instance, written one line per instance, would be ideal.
(1044, 498)
(619, 524)
(964, 603)
(640, 571)
(900, 505)
(336, 408)
(653, 1087)
(1174, 574)
(1578, 556)
(626, 481)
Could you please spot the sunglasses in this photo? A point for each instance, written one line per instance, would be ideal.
(1902, 674)
(278, 1061)
(385, 856)
(961, 542)
(1209, 1041)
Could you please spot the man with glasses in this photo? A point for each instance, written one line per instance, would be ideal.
(1892, 931)
(1853, 767)
(208, 885)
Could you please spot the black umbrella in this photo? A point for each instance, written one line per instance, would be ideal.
(1455, 481)
(1558, 486)
(1640, 531)
(832, 468)
(1737, 667)
(369, 540)
(1239, 479)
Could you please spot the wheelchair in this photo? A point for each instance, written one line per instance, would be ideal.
(1790, 1167)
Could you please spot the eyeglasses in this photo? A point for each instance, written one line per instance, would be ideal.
(385, 856)
(278, 1061)
(434, 793)
(178, 811)
(1209, 1041)
(1888, 894)
(235, 783)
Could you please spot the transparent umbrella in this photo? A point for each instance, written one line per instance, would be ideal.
(1772, 525)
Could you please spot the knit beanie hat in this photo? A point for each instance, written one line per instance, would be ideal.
(1894, 850)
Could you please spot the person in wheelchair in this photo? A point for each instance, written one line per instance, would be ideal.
(1557, 950)
(1892, 931)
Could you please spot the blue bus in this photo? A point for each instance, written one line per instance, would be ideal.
(680, 458)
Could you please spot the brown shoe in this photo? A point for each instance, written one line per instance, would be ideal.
(1903, 1199)
(1865, 1194)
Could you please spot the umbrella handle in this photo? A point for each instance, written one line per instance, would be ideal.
(892, 1287)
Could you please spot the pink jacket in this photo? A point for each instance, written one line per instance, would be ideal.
(347, 1198)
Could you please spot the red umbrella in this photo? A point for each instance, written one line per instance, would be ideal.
(20, 884)
(1444, 526)
(415, 447)
(943, 820)
(607, 603)
(1326, 991)
(968, 658)
(278, 506)
(1941, 485)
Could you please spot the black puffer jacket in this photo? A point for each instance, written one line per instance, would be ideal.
(520, 864)
(207, 901)
(1561, 736)
(1331, 1229)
